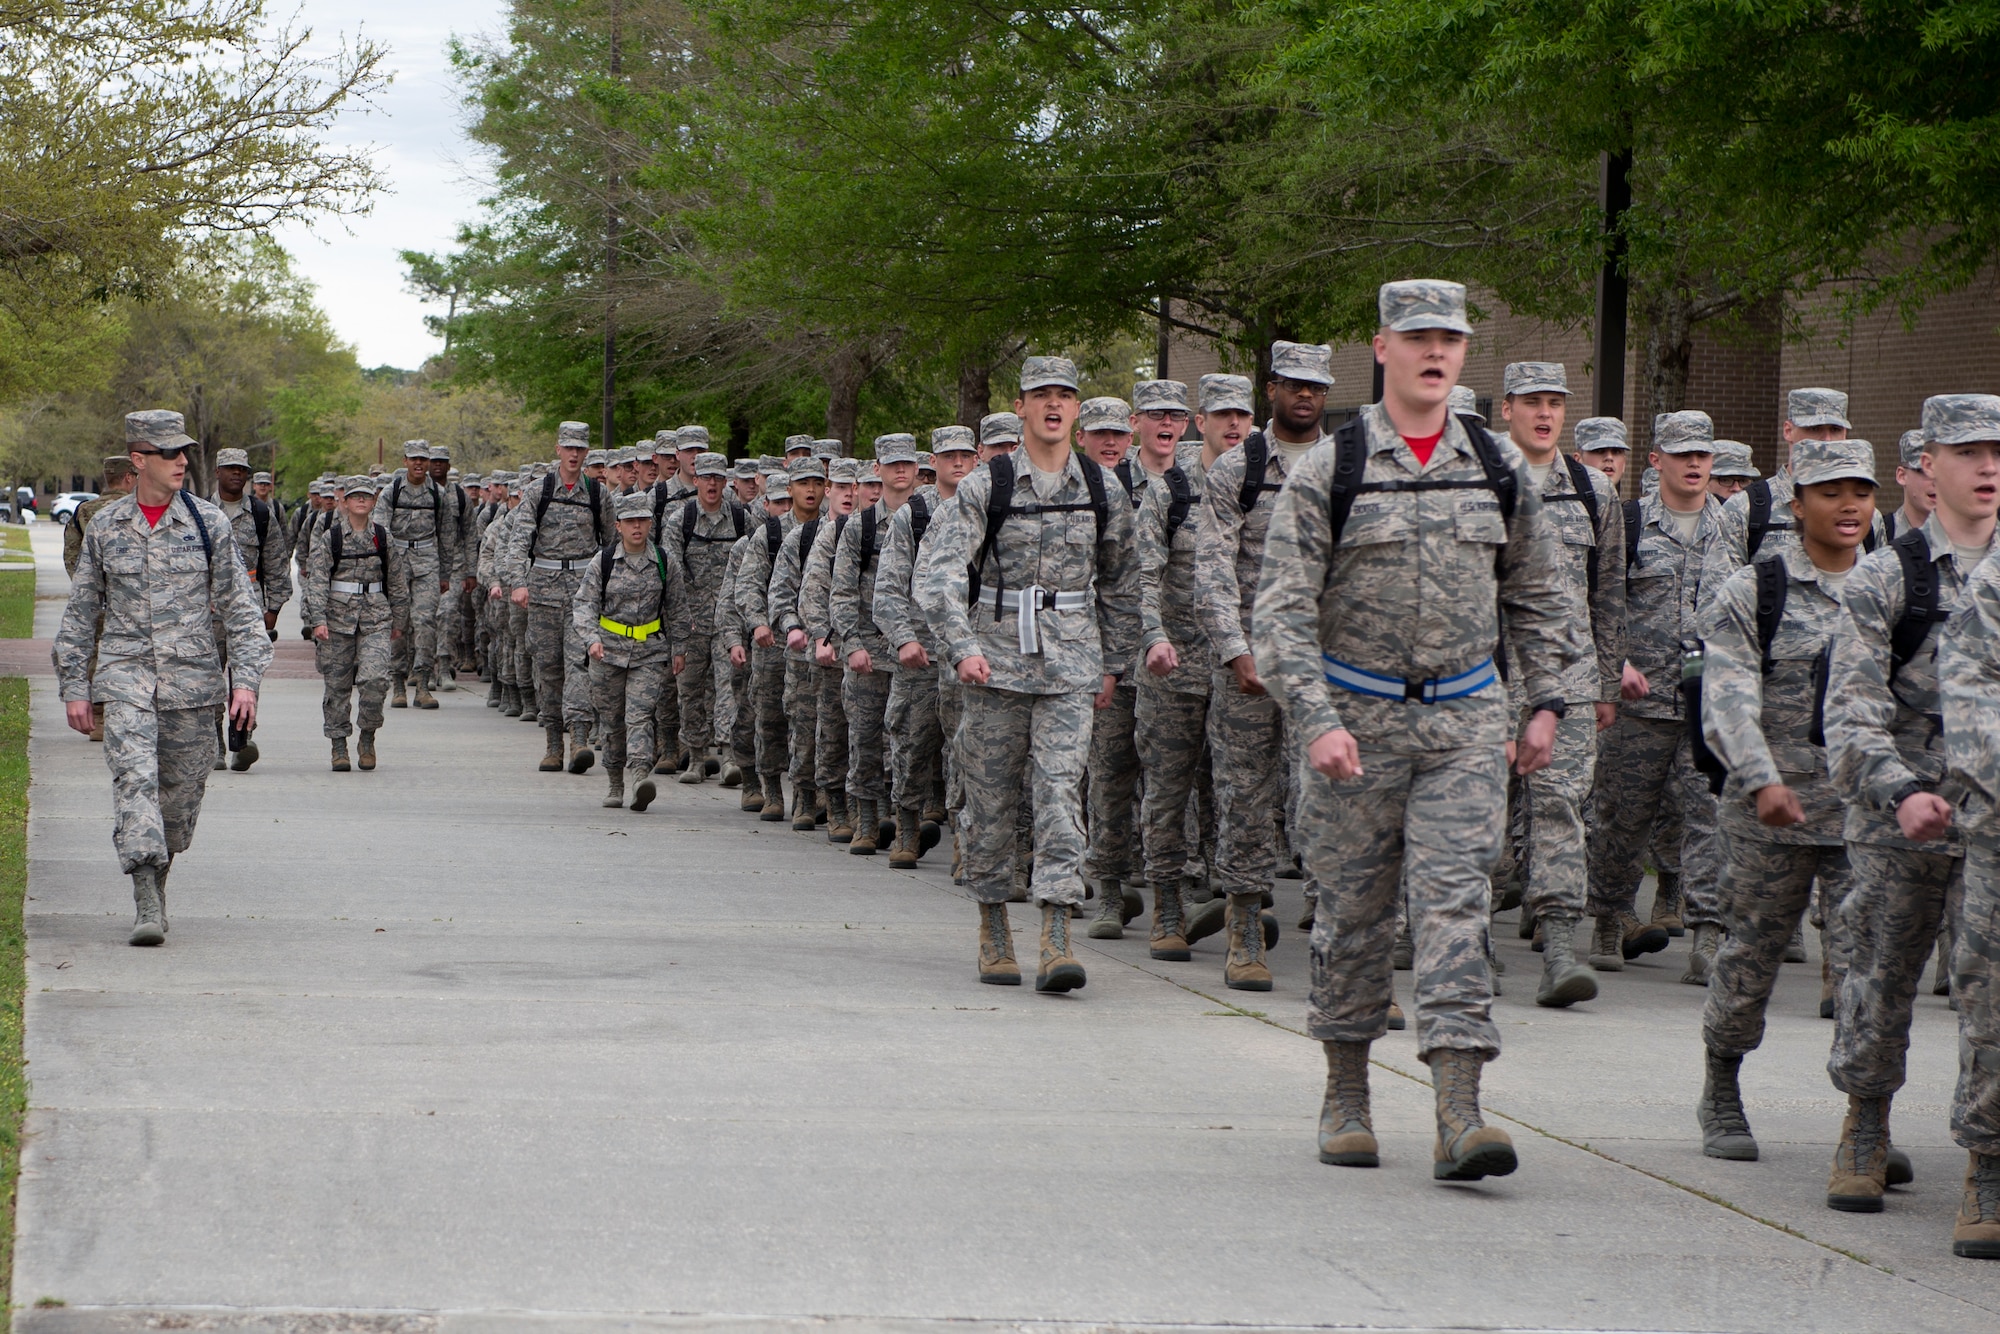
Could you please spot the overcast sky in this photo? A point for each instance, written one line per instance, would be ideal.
(434, 177)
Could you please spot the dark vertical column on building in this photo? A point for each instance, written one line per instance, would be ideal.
(1608, 356)
(1160, 371)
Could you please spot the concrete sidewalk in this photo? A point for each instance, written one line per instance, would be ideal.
(447, 1046)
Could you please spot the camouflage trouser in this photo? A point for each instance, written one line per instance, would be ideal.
(1426, 827)
(1647, 781)
(1975, 985)
(767, 704)
(446, 652)
(357, 660)
(159, 762)
(624, 699)
(1890, 922)
(416, 651)
(562, 672)
(865, 697)
(524, 655)
(951, 709)
(1005, 738)
(493, 638)
(1171, 730)
(1114, 781)
(1246, 740)
(800, 702)
(1545, 840)
(913, 723)
(1765, 889)
(695, 687)
(667, 714)
(740, 732)
(829, 729)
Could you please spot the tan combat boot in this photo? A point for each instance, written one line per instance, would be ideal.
(697, 770)
(996, 947)
(644, 789)
(340, 764)
(1467, 1148)
(424, 699)
(399, 692)
(802, 808)
(1725, 1125)
(1059, 971)
(1244, 968)
(839, 816)
(1346, 1131)
(1109, 924)
(1860, 1161)
(1607, 945)
(366, 752)
(614, 795)
(149, 926)
(866, 828)
(552, 760)
(1977, 1236)
(1167, 943)
(732, 774)
(581, 756)
(774, 799)
(1701, 955)
(1669, 904)
(752, 797)
(903, 857)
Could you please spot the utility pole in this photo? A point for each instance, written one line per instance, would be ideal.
(611, 261)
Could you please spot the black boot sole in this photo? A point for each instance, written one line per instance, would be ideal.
(1900, 1172)
(581, 761)
(1350, 1159)
(642, 796)
(1571, 991)
(1976, 1250)
(1488, 1160)
(1063, 977)
(1855, 1204)
(1650, 941)
(1000, 979)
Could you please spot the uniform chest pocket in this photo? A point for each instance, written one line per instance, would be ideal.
(1477, 519)
(1080, 529)
(1380, 518)
(1572, 524)
(182, 559)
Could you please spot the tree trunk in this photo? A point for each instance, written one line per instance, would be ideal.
(848, 371)
(739, 434)
(1669, 351)
(975, 391)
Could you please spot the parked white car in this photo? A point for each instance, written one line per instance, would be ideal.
(64, 507)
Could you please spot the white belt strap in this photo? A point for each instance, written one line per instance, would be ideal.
(1433, 691)
(414, 543)
(543, 564)
(349, 586)
(1027, 604)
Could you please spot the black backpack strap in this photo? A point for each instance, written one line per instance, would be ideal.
(605, 556)
(688, 516)
(867, 541)
(1100, 502)
(1586, 495)
(382, 549)
(774, 536)
(1759, 523)
(260, 514)
(1889, 524)
(1350, 460)
(594, 491)
(1771, 589)
(1920, 599)
(920, 520)
(337, 552)
(1869, 541)
(1124, 471)
(207, 542)
(808, 533)
(1635, 524)
(1000, 472)
(1256, 463)
(1180, 500)
(1506, 485)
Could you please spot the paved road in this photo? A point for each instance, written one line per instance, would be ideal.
(450, 1047)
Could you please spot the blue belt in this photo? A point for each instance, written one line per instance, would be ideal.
(1475, 678)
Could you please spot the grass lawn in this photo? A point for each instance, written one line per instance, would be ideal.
(17, 604)
(13, 955)
(14, 540)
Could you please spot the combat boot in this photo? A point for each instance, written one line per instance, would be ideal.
(340, 764)
(244, 758)
(614, 795)
(1564, 980)
(494, 692)
(1244, 969)
(1168, 943)
(1977, 1236)
(1828, 994)
(167, 926)
(1346, 1131)
(1059, 971)
(1795, 948)
(1607, 945)
(732, 774)
(552, 761)
(1467, 1148)
(1403, 953)
(447, 676)
(399, 692)
(510, 701)
(774, 799)
(802, 808)
(644, 789)
(752, 799)
(149, 927)
(1669, 904)
(697, 770)
(1725, 1126)
(1206, 919)
(1127, 896)
(97, 722)
(581, 756)
(1310, 911)
(839, 816)
(1396, 1021)
(903, 857)
(866, 828)
(1701, 957)
(1109, 924)
(366, 753)
(1637, 937)
(996, 947)
(221, 744)
(1860, 1160)
(530, 705)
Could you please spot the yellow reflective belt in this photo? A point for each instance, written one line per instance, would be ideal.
(638, 632)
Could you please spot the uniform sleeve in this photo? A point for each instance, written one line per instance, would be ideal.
(1607, 606)
(1860, 709)
(941, 579)
(1724, 554)
(728, 618)
(782, 598)
(1150, 526)
(1298, 553)
(815, 593)
(232, 593)
(274, 564)
(396, 580)
(1532, 596)
(583, 608)
(1218, 601)
(895, 612)
(73, 541)
(1969, 686)
(318, 577)
(520, 536)
(844, 585)
(1732, 684)
(1118, 586)
(76, 640)
(753, 582)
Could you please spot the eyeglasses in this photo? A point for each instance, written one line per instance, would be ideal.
(1301, 386)
(1164, 414)
(162, 453)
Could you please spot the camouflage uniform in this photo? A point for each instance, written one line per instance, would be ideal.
(1969, 684)
(913, 719)
(159, 668)
(804, 679)
(828, 708)
(1413, 591)
(360, 600)
(641, 619)
(1758, 724)
(735, 720)
(768, 668)
(547, 556)
(414, 516)
(703, 540)
(856, 625)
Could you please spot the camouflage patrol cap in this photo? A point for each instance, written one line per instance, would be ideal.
(1732, 459)
(711, 464)
(1225, 393)
(691, 437)
(572, 435)
(315, 487)
(232, 458)
(1685, 432)
(777, 484)
(845, 471)
(632, 505)
(948, 439)
(1464, 403)
(768, 464)
(259, 478)
(1310, 362)
(826, 449)
(160, 427)
(805, 468)
(925, 462)
(999, 428)
(1817, 407)
(1601, 433)
(1816, 461)
(1910, 450)
(593, 457)
(1423, 303)
(1961, 419)
(1104, 414)
(416, 449)
(900, 447)
(470, 479)
(1040, 372)
(744, 470)
(441, 453)
(1159, 396)
(664, 443)
(1534, 377)
(795, 443)
(116, 465)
